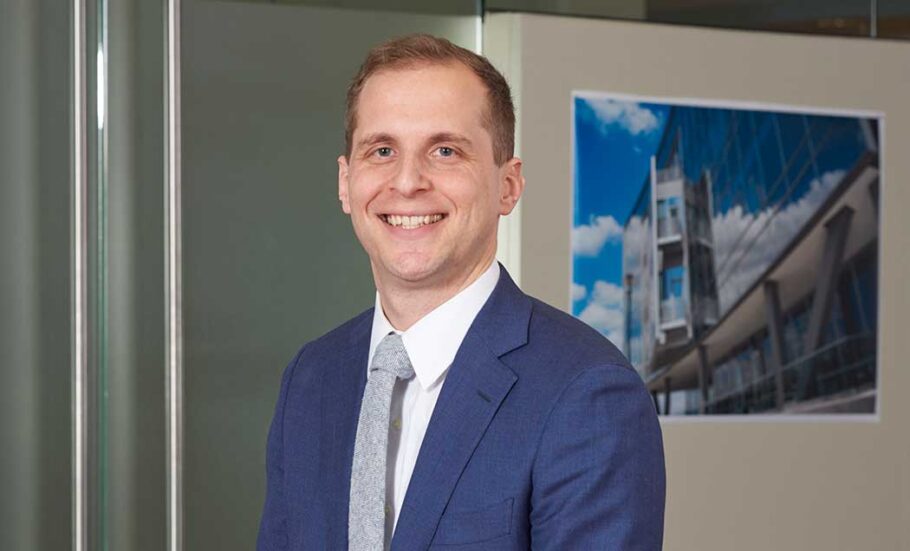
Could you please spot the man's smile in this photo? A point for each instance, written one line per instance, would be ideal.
(411, 222)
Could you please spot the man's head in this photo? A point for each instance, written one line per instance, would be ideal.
(429, 166)
(421, 49)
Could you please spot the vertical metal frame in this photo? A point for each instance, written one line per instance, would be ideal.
(98, 288)
(173, 286)
(79, 272)
(873, 18)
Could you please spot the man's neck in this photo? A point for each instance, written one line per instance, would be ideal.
(405, 305)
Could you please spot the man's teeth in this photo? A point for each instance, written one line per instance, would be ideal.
(412, 222)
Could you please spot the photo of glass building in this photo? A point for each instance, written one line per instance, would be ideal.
(749, 261)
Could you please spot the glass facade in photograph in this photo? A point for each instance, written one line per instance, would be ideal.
(768, 174)
(767, 170)
(748, 258)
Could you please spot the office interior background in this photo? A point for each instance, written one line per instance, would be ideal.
(170, 236)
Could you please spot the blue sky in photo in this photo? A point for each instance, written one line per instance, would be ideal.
(613, 142)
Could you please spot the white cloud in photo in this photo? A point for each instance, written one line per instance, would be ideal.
(589, 239)
(746, 243)
(604, 312)
(629, 115)
(607, 293)
(579, 292)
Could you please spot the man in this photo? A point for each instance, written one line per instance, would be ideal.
(458, 413)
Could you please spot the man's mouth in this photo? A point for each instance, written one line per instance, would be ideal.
(411, 222)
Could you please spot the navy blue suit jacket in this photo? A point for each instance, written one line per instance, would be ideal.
(543, 437)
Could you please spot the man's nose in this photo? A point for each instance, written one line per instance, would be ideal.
(411, 177)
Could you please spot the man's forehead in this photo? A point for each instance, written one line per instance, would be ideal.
(436, 98)
(408, 69)
(446, 81)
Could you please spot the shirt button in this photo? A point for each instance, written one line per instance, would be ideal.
(388, 510)
(397, 424)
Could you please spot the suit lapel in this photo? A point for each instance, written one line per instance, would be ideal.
(475, 386)
(343, 386)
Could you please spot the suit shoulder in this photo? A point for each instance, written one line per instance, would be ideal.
(580, 344)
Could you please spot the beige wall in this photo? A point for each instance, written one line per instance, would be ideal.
(734, 484)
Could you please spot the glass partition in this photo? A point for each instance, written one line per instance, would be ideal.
(269, 259)
(843, 17)
(134, 516)
(35, 295)
(892, 19)
(868, 18)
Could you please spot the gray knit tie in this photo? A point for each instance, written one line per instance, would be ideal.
(366, 514)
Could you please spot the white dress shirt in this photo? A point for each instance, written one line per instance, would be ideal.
(431, 344)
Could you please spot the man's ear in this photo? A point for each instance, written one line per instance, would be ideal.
(511, 185)
(343, 195)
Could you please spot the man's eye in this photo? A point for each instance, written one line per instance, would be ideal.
(446, 151)
(384, 151)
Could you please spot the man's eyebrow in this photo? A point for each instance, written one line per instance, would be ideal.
(383, 137)
(372, 139)
(449, 137)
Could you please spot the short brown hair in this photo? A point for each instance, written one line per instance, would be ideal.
(415, 49)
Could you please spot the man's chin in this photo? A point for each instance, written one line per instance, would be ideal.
(413, 271)
(414, 274)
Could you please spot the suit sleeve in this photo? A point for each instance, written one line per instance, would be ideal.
(598, 478)
(273, 529)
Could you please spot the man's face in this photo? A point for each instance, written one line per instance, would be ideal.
(421, 186)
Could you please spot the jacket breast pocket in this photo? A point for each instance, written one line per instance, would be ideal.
(462, 527)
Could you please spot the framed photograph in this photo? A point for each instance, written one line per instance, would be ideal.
(730, 250)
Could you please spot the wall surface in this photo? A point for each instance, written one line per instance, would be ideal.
(734, 484)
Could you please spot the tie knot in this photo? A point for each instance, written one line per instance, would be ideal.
(391, 357)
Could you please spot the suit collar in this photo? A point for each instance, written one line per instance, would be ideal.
(433, 341)
(503, 321)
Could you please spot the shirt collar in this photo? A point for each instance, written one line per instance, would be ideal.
(434, 340)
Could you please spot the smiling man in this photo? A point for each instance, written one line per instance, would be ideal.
(458, 412)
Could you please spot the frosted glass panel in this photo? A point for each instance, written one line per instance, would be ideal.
(34, 276)
(269, 260)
